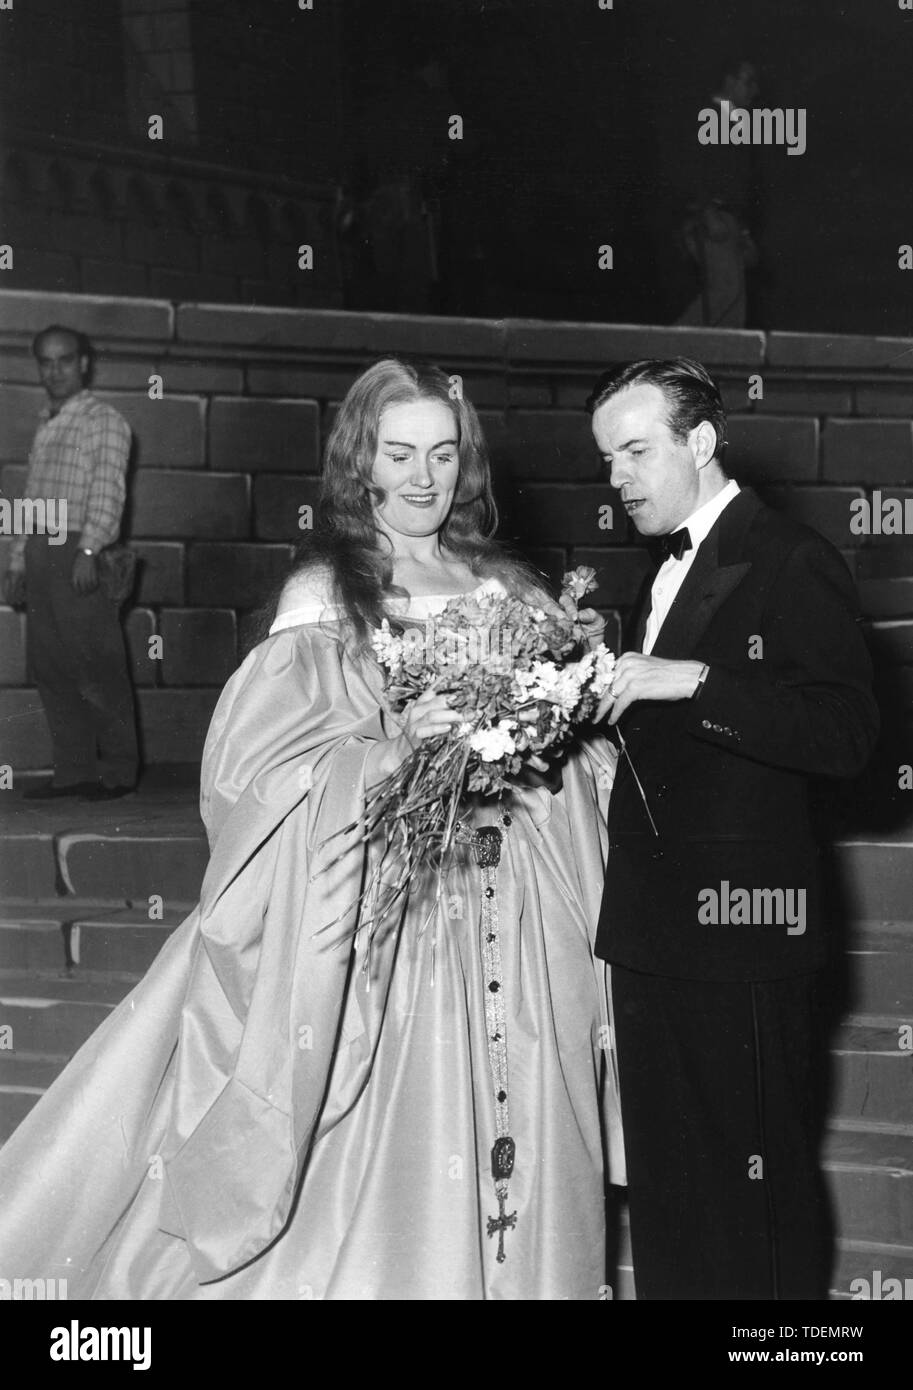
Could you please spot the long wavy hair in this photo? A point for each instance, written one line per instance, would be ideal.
(346, 543)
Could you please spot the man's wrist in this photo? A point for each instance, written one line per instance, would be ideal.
(701, 679)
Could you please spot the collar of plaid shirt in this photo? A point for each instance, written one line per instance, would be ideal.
(69, 407)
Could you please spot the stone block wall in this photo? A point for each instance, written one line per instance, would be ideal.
(223, 463)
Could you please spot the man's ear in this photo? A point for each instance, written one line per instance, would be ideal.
(702, 441)
(84, 367)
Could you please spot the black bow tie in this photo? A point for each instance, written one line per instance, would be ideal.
(662, 547)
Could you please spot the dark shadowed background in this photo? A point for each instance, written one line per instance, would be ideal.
(285, 126)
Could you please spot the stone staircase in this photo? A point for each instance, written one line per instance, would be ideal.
(76, 935)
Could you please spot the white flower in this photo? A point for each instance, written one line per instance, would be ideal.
(495, 743)
(538, 682)
(566, 691)
(556, 685)
(585, 666)
(387, 648)
(579, 582)
(604, 671)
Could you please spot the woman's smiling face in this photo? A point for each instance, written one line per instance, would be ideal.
(417, 465)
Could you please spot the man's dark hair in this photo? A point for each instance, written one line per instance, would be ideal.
(83, 344)
(690, 391)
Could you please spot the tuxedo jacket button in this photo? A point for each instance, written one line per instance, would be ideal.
(662, 789)
(706, 724)
(717, 728)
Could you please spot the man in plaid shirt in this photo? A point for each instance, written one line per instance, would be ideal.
(76, 647)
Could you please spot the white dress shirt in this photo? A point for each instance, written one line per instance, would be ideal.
(671, 574)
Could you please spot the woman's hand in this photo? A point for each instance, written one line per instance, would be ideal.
(429, 715)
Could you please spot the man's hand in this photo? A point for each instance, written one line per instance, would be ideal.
(85, 573)
(639, 677)
(593, 624)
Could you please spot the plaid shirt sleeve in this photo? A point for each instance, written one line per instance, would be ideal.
(108, 443)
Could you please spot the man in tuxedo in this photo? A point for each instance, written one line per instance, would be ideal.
(747, 676)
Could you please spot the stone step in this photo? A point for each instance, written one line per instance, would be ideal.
(65, 930)
(872, 1075)
(28, 867)
(869, 1171)
(879, 960)
(149, 843)
(893, 560)
(153, 844)
(30, 1069)
(173, 722)
(872, 1067)
(66, 933)
(44, 952)
(110, 868)
(887, 598)
(24, 1078)
(15, 1104)
(877, 873)
(862, 1268)
(55, 1013)
(132, 865)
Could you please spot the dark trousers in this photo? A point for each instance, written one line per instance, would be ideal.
(78, 661)
(720, 1104)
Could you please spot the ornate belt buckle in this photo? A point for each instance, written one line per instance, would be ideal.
(488, 846)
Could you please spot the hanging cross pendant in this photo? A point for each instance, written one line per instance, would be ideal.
(501, 1223)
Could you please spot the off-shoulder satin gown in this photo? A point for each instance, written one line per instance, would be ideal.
(271, 1113)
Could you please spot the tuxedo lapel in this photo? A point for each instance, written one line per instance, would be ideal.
(713, 576)
(705, 590)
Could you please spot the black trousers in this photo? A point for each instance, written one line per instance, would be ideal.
(78, 661)
(720, 1095)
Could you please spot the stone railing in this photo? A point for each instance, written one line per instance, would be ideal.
(125, 219)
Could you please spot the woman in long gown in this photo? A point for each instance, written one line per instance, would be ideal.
(276, 1111)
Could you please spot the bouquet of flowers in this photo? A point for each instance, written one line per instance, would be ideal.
(522, 679)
